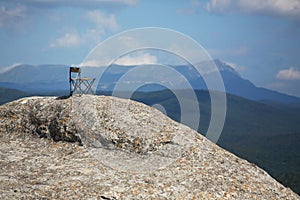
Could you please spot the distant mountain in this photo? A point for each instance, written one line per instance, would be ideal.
(44, 79)
(233, 82)
(239, 86)
(36, 78)
(7, 95)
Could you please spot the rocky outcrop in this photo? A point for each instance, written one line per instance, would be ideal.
(45, 117)
(96, 147)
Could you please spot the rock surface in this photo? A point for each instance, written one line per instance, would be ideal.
(129, 151)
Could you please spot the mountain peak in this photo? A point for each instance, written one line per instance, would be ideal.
(224, 66)
(129, 134)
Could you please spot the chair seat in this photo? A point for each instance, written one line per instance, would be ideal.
(82, 79)
(80, 85)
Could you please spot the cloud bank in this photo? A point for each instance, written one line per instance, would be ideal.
(137, 59)
(94, 4)
(12, 16)
(67, 40)
(288, 74)
(284, 8)
(102, 23)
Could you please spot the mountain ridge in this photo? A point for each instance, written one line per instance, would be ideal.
(39, 79)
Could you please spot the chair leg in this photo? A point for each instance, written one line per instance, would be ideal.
(80, 86)
(70, 89)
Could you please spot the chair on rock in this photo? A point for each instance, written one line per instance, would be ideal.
(79, 85)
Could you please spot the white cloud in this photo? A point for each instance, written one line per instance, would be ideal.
(7, 68)
(15, 12)
(286, 8)
(133, 59)
(289, 74)
(192, 8)
(236, 67)
(91, 63)
(90, 4)
(102, 23)
(145, 58)
(67, 40)
(12, 17)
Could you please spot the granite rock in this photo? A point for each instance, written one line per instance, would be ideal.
(97, 147)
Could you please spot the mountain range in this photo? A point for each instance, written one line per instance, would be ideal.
(45, 79)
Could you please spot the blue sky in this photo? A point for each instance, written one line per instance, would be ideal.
(261, 39)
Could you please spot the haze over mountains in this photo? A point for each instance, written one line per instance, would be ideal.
(41, 79)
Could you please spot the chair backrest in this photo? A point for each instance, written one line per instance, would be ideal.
(75, 70)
